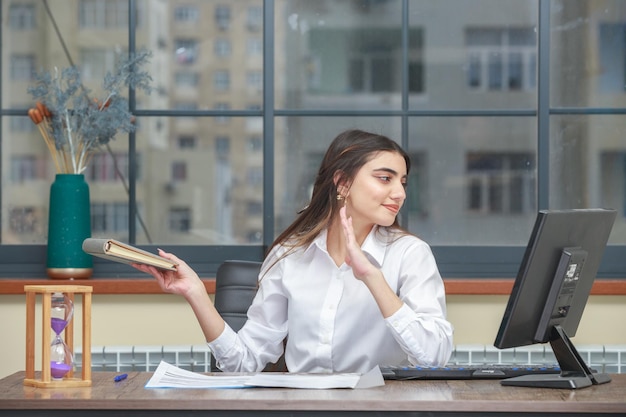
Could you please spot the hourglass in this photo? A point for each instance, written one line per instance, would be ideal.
(61, 357)
(57, 358)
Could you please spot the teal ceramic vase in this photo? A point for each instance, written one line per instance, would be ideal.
(69, 223)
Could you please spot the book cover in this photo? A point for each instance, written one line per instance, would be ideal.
(117, 251)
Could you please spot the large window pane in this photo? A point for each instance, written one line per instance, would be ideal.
(200, 183)
(473, 180)
(339, 54)
(482, 55)
(207, 52)
(588, 60)
(29, 168)
(26, 182)
(588, 165)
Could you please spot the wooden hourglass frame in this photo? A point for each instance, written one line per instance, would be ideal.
(46, 292)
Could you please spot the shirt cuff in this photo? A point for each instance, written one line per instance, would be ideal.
(399, 320)
(224, 342)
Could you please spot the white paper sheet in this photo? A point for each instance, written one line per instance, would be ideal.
(170, 376)
(373, 378)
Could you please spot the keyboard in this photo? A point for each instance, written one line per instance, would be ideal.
(465, 371)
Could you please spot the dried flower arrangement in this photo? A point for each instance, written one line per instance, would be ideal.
(73, 124)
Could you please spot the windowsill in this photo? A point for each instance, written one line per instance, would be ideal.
(455, 286)
(100, 285)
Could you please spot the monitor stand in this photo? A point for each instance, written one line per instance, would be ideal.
(574, 371)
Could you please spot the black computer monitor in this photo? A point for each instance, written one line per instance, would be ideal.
(551, 290)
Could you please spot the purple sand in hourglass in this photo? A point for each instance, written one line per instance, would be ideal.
(58, 324)
(58, 370)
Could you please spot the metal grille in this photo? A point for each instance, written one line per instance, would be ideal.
(197, 358)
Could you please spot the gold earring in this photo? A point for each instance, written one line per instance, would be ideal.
(339, 197)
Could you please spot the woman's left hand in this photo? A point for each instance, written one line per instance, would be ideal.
(368, 273)
(355, 258)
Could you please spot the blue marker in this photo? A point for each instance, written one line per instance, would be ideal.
(120, 377)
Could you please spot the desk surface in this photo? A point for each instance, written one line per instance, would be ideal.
(405, 397)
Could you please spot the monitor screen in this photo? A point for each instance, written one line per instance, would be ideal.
(551, 290)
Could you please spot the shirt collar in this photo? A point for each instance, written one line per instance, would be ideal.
(373, 246)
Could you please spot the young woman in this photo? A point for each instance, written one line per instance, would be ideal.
(349, 288)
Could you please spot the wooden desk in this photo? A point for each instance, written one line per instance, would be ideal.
(409, 398)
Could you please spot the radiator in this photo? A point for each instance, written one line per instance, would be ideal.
(197, 358)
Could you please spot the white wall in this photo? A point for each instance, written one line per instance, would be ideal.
(167, 320)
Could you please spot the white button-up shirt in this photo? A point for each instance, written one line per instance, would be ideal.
(331, 318)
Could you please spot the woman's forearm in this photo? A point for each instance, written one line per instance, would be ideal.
(210, 321)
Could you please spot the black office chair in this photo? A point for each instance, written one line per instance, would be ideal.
(235, 288)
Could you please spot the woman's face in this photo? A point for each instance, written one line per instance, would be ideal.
(378, 191)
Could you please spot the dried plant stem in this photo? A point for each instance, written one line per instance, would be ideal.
(50, 143)
(83, 156)
(70, 139)
(88, 156)
(66, 163)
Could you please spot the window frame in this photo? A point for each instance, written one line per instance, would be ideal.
(28, 261)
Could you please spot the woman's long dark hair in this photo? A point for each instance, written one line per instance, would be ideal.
(345, 156)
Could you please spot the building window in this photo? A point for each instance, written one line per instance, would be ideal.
(500, 183)
(501, 59)
(186, 51)
(187, 142)
(23, 220)
(186, 14)
(255, 236)
(613, 180)
(221, 107)
(221, 80)
(109, 217)
(371, 73)
(96, 63)
(222, 147)
(22, 16)
(254, 177)
(254, 123)
(222, 17)
(186, 78)
(417, 186)
(254, 47)
(254, 19)
(612, 55)
(103, 14)
(254, 208)
(255, 144)
(180, 219)
(22, 67)
(254, 81)
(222, 47)
(372, 62)
(179, 171)
(186, 106)
(26, 168)
(22, 125)
(103, 167)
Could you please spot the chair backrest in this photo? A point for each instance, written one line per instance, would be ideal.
(235, 288)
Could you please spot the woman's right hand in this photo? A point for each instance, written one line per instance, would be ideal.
(184, 281)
